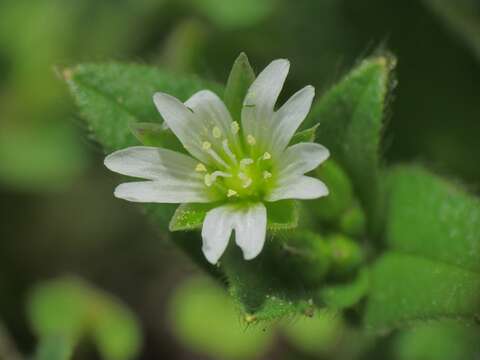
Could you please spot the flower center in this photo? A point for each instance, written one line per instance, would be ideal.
(238, 169)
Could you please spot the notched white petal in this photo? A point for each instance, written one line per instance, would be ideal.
(249, 223)
(302, 187)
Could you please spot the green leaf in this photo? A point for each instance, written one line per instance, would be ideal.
(259, 288)
(408, 289)
(154, 134)
(307, 135)
(54, 347)
(240, 78)
(438, 225)
(113, 96)
(430, 217)
(350, 117)
(205, 320)
(462, 17)
(445, 340)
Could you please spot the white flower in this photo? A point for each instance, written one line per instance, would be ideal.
(239, 165)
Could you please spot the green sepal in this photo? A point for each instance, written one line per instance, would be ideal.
(307, 135)
(281, 215)
(189, 216)
(154, 134)
(240, 78)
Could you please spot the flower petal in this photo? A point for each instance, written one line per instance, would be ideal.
(259, 103)
(289, 117)
(152, 163)
(216, 231)
(249, 222)
(182, 122)
(172, 191)
(210, 110)
(302, 187)
(301, 158)
(250, 229)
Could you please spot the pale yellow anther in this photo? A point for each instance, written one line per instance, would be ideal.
(208, 180)
(200, 168)
(247, 183)
(242, 176)
(245, 162)
(206, 145)
(216, 132)
(267, 175)
(251, 140)
(266, 156)
(231, 193)
(235, 127)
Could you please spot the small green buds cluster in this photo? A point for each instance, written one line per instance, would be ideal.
(312, 259)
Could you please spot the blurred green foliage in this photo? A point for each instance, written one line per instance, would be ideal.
(64, 311)
(58, 214)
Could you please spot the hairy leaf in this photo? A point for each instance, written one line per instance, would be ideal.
(433, 228)
(240, 78)
(409, 289)
(112, 96)
(351, 122)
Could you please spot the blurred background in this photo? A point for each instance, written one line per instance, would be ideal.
(58, 214)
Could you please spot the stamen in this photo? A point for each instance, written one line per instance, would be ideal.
(217, 174)
(229, 152)
(247, 183)
(216, 132)
(235, 127)
(251, 140)
(231, 193)
(200, 168)
(245, 162)
(266, 156)
(208, 180)
(267, 175)
(242, 176)
(217, 158)
(206, 145)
